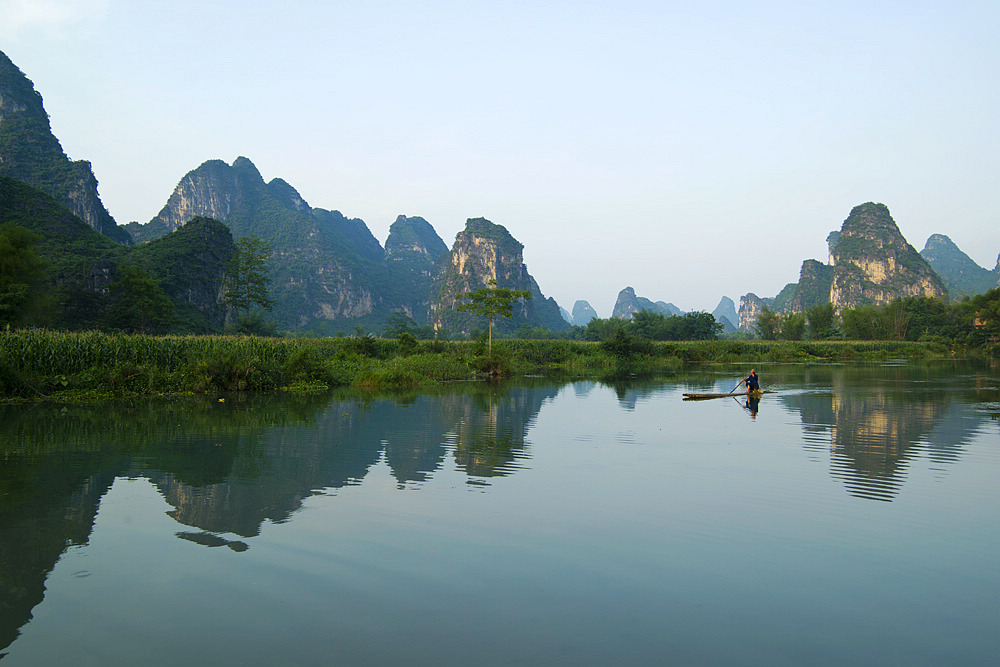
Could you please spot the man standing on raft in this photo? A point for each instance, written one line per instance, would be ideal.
(753, 382)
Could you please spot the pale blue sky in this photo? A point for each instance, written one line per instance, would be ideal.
(689, 150)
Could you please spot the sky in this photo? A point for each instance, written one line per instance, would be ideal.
(688, 150)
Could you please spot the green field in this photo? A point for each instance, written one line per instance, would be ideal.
(38, 364)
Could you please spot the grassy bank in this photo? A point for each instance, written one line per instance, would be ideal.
(41, 364)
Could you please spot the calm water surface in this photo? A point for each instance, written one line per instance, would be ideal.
(851, 518)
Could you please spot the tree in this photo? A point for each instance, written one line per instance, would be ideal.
(600, 330)
(398, 323)
(820, 319)
(793, 326)
(768, 323)
(492, 302)
(22, 275)
(690, 326)
(982, 312)
(246, 277)
(140, 303)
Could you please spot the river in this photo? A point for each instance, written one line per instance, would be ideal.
(851, 517)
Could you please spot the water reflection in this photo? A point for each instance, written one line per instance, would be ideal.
(875, 420)
(228, 467)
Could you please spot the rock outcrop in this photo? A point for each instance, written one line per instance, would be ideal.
(583, 312)
(873, 263)
(413, 242)
(628, 304)
(482, 252)
(725, 314)
(813, 288)
(750, 307)
(324, 266)
(960, 274)
(870, 264)
(29, 152)
(190, 264)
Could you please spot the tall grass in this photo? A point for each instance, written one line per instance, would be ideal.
(36, 363)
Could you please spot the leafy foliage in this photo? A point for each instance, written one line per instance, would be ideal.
(246, 277)
(793, 326)
(140, 304)
(820, 320)
(653, 326)
(768, 324)
(492, 302)
(22, 275)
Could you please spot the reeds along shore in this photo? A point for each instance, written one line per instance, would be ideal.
(38, 364)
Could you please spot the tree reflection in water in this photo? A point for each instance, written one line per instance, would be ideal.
(228, 467)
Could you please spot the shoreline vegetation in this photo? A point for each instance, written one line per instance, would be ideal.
(40, 365)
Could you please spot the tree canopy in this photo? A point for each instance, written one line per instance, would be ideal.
(492, 302)
(22, 274)
(140, 304)
(247, 280)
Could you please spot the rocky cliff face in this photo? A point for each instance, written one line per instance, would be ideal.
(29, 152)
(960, 274)
(414, 242)
(813, 288)
(627, 304)
(873, 263)
(725, 314)
(870, 264)
(582, 313)
(213, 190)
(831, 244)
(482, 252)
(412, 253)
(750, 307)
(324, 267)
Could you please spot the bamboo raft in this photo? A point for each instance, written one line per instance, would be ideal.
(696, 397)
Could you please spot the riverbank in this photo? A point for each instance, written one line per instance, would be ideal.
(39, 365)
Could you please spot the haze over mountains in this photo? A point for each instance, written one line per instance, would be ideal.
(330, 273)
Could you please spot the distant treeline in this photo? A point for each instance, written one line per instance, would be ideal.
(645, 325)
(46, 365)
(972, 323)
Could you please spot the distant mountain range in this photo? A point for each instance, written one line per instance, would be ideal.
(330, 274)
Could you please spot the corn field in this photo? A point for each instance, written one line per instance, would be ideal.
(54, 353)
(39, 363)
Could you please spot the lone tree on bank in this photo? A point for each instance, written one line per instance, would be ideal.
(246, 277)
(492, 302)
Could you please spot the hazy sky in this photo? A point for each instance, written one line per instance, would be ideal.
(689, 150)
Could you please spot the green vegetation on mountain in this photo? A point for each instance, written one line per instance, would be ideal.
(785, 296)
(961, 275)
(485, 252)
(29, 152)
(80, 266)
(873, 263)
(22, 276)
(190, 263)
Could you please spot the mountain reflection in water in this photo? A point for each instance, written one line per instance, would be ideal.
(228, 467)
